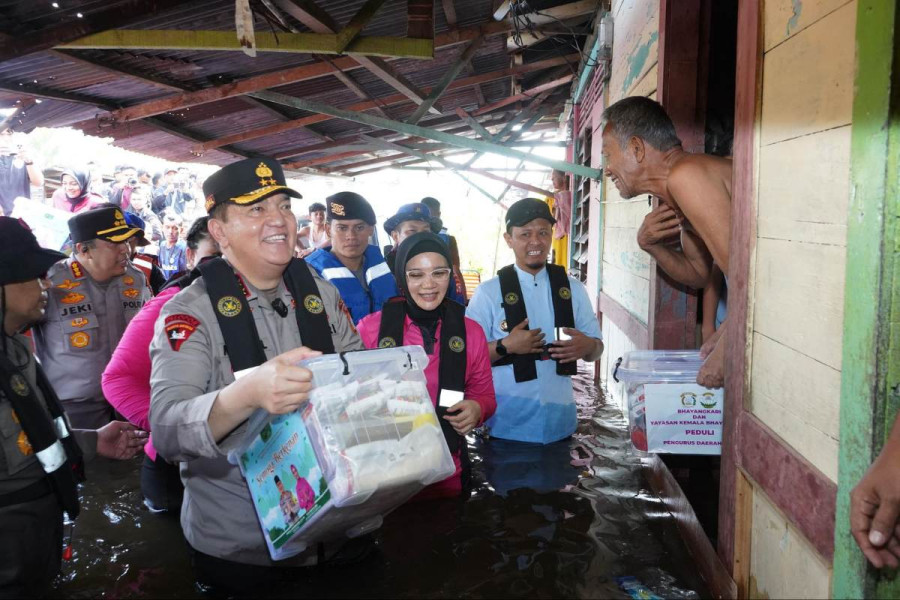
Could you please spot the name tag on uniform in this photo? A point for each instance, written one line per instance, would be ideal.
(450, 397)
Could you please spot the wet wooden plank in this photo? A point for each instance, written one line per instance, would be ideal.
(808, 80)
(634, 45)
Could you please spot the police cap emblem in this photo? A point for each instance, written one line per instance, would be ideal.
(457, 344)
(313, 304)
(229, 306)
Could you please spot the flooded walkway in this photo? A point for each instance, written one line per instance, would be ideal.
(563, 520)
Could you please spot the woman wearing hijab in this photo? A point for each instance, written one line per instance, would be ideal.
(74, 194)
(459, 368)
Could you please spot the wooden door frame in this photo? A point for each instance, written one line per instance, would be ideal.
(870, 374)
(753, 456)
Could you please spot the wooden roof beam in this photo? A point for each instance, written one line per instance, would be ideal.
(121, 14)
(287, 76)
(369, 104)
(308, 13)
(449, 12)
(420, 18)
(451, 74)
(423, 132)
(357, 23)
(526, 95)
(395, 79)
(316, 43)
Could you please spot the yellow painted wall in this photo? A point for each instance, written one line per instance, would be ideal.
(797, 275)
(625, 268)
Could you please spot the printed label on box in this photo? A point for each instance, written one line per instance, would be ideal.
(683, 418)
(284, 477)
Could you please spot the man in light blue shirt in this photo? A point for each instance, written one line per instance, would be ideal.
(539, 322)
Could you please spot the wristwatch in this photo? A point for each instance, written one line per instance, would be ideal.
(501, 349)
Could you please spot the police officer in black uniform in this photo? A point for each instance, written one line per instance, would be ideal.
(41, 457)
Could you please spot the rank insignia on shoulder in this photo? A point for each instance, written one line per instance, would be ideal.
(179, 328)
(229, 306)
(77, 270)
(80, 339)
(72, 298)
(128, 280)
(68, 284)
(131, 293)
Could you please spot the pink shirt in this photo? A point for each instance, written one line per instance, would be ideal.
(479, 384)
(126, 380)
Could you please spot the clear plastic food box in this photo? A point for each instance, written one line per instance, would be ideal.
(667, 411)
(365, 443)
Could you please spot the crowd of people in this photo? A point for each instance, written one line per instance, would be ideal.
(172, 353)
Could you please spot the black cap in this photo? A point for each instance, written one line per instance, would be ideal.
(408, 212)
(107, 223)
(21, 257)
(316, 207)
(345, 206)
(527, 210)
(246, 182)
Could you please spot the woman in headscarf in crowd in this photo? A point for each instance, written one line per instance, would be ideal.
(74, 194)
(459, 367)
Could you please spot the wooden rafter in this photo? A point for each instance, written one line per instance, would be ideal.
(284, 77)
(446, 80)
(319, 43)
(473, 123)
(357, 23)
(420, 18)
(122, 14)
(526, 95)
(423, 132)
(308, 13)
(449, 12)
(366, 105)
(395, 79)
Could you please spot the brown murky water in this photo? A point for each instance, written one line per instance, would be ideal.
(555, 521)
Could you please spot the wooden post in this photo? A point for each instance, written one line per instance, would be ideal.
(870, 367)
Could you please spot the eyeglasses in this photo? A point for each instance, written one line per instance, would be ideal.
(439, 275)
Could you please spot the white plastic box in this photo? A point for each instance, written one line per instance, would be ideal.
(367, 441)
(667, 411)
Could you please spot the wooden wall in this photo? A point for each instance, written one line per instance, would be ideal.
(625, 268)
(797, 271)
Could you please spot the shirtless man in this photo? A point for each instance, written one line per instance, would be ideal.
(643, 155)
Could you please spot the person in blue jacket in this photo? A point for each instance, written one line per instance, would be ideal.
(355, 267)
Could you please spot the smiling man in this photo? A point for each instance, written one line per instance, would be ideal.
(354, 266)
(269, 310)
(94, 294)
(539, 322)
(643, 155)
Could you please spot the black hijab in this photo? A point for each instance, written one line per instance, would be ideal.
(83, 178)
(414, 245)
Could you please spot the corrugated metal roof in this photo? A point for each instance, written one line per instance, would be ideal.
(55, 74)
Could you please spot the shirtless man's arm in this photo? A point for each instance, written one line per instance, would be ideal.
(691, 266)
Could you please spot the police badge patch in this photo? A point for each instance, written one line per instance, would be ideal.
(511, 298)
(565, 293)
(457, 344)
(19, 385)
(313, 304)
(229, 306)
(387, 342)
(179, 328)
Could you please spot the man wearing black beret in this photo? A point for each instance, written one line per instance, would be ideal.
(94, 295)
(354, 266)
(41, 456)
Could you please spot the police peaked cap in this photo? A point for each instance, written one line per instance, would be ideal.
(409, 212)
(527, 210)
(246, 182)
(106, 223)
(345, 206)
(21, 257)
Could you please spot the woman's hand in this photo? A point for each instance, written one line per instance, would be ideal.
(468, 415)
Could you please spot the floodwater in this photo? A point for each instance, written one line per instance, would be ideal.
(563, 520)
